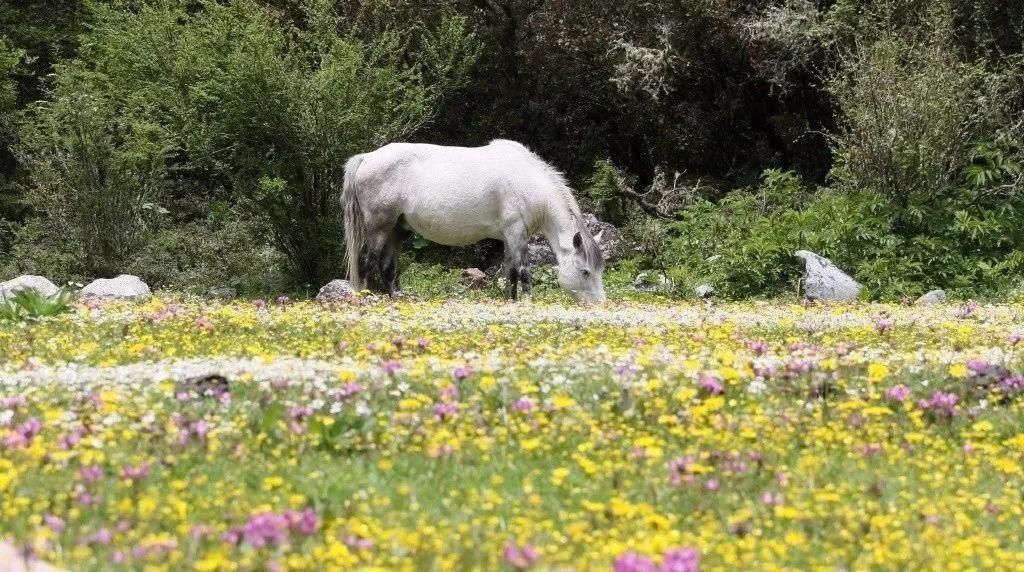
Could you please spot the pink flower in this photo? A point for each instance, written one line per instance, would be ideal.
(445, 410)
(358, 542)
(460, 373)
(871, 449)
(940, 403)
(523, 404)
(204, 324)
(55, 523)
(201, 428)
(102, 536)
(90, 474)
(520, 558)
(13, 402)
(136, 473)
(265, 528)
(390, 366)
(977, 365)
(304, 522)
(883, 325)
(711, 385)
(633, 562)
(898, 393)
(681, 560)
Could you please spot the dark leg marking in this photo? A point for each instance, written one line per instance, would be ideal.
(389, 262)
(526, 278)
(512, 283)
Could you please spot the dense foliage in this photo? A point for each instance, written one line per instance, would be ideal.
(200, 143)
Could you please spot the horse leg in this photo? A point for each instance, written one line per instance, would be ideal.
(370, 257)
(515, 264)
(389, 261)
(526, 279)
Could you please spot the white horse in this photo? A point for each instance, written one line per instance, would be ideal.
(457, 196)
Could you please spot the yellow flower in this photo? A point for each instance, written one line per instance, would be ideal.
(877, 372)
(558, 476)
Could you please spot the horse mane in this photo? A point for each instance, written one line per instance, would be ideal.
(591, 250)
(556, 177)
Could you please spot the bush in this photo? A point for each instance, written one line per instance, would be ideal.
(96, 177)
(10, 59)
(31, 305)
(250, 104)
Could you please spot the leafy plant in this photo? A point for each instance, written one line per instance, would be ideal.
(28, 304)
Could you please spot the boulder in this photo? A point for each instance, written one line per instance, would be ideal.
(608, 238)
(27, 282)
(474, 277)
(704, 290)
(124, 287)
(539, 253)
(336, 291)
(824, 281)
(933, 297)
(651, 282)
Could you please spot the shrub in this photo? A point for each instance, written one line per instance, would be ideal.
(96, 177)
(604, 194)
(252, 104)
(10, 59)
(31, 305)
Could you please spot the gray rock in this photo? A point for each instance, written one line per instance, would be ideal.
(704, 291)
(607, 236)
(609, 239)
(474, 277)
(539, 253)
(336, 291)
(651, 282)
(124, 287)
(824, 281)
(933, 297)
(27, 282)
(222, 293)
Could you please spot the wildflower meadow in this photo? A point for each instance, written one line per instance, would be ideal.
(373, 434)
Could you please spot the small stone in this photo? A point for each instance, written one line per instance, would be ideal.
(336, 291)
(27, 282)
(824, 281)
(475, 277)
(651, 282)
(933, 297)
(704, 291)
(124, 287)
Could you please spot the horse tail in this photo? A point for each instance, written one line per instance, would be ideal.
(355, 225)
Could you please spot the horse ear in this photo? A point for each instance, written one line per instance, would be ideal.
(577, 241)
